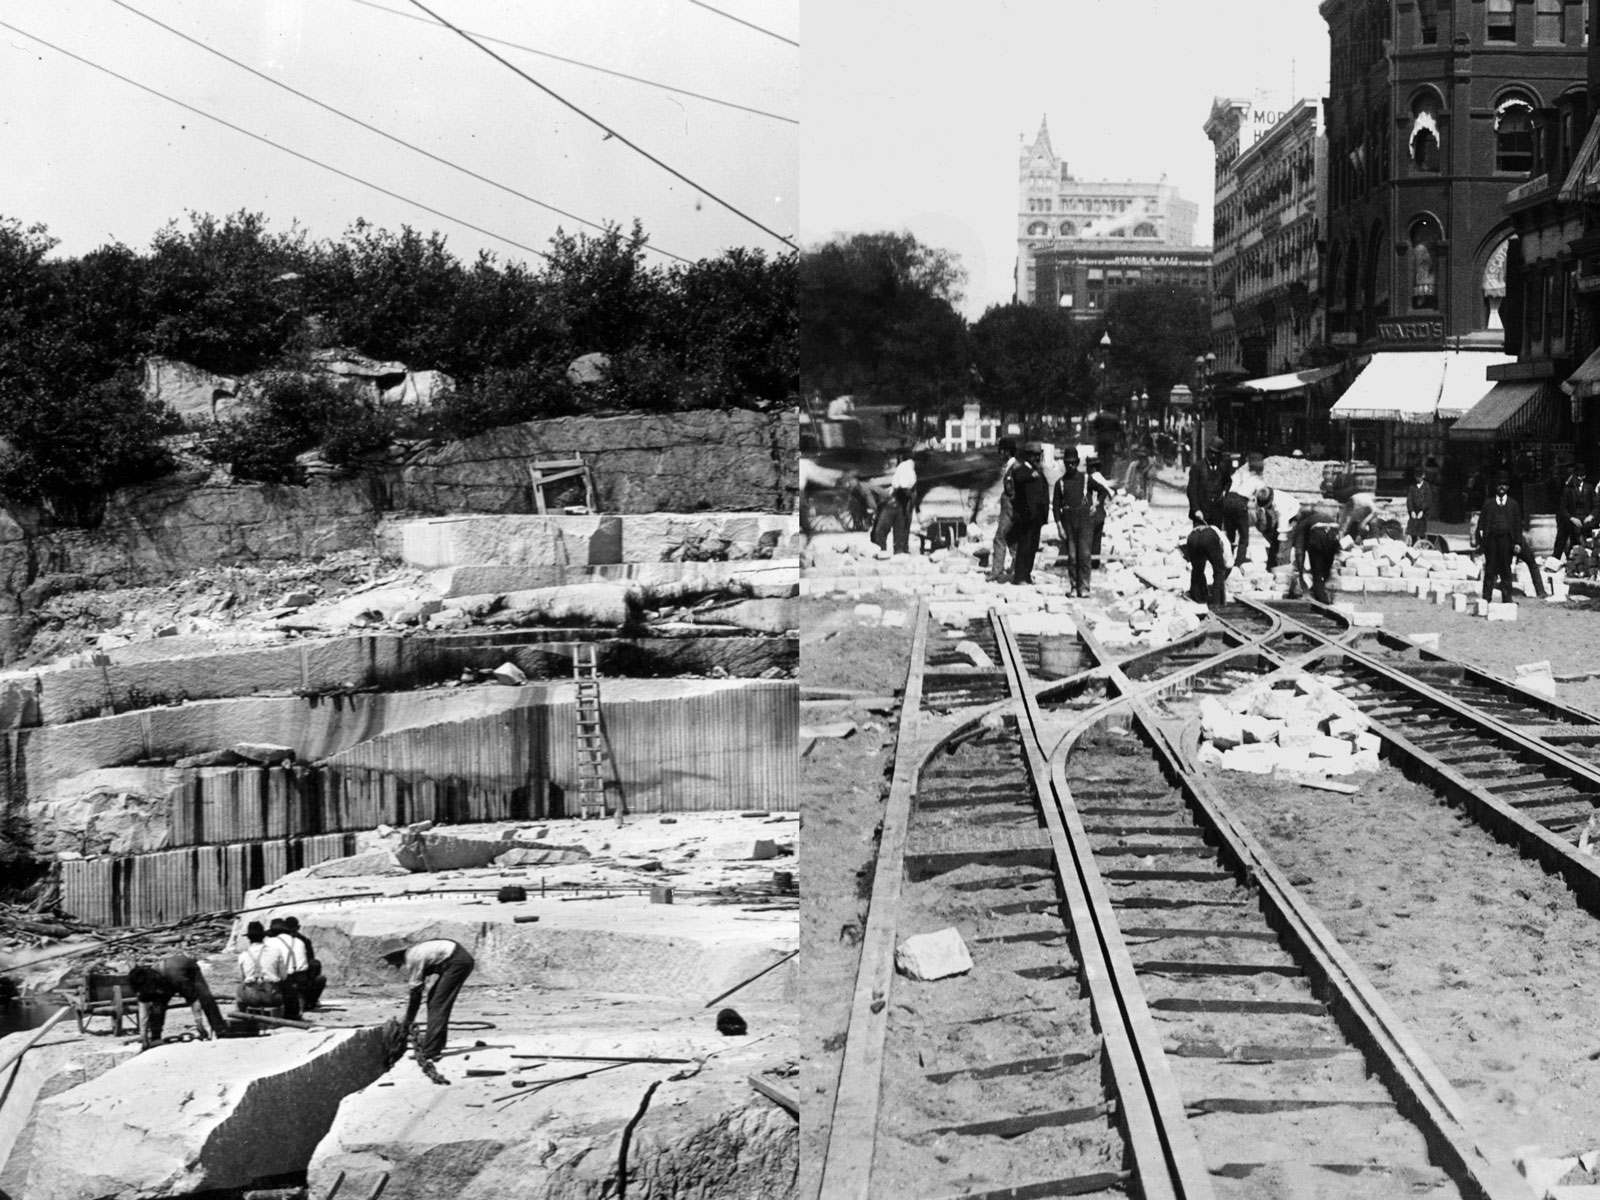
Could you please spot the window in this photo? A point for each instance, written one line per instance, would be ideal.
(1038, 229)
(1428, 22)
(1547, 21)
(1513, 137)
(1425, 138)
(1068, 229)
(1425, 265)
(1502, 21)
(1145, 229)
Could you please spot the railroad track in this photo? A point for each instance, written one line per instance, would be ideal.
(1111, 905)
(1524, 767)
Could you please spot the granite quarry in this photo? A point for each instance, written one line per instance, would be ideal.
(378, 739)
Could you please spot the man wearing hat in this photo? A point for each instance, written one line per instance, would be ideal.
(1206, 485)
(1575, 517)
(1499, 533)
(1030, 510)
(1078, 496)
(449, 964)
(1243, 484)
(1003, 537)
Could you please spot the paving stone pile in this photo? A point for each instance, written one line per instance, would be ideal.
(1297, 733)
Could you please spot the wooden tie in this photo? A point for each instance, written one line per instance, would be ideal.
(591, 744)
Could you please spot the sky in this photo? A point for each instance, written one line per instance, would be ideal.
(96, 160)
(913, 109)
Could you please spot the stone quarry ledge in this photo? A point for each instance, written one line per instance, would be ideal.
(63, 1059)
(703, 1131)
(201, 1115)
(622, 946)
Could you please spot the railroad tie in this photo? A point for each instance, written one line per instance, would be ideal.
(1047, 1189)
(1020, 1066)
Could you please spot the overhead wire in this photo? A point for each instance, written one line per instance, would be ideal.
(637, 149)
(200, 112)
(399, 141)
(742, 21)
(666, 87)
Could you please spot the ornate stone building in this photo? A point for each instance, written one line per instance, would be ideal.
(1079, 241)
(1431, 119)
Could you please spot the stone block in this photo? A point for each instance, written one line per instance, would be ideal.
(1426, 641)
(581, 603)
(762, 849)
(1500, 612)
(975, 654)
(1219, 725)
(1524, 670)
(1259, 729)
(514, 540)
(1328, 747)
(200, 1116)
(869, 613)
(1346, 727)
(263, 752)
(510, 674)
(1367, 620)
(1539, 685)
(1257, 759)
(930, 956)
(1368, 742)
(1458, 601)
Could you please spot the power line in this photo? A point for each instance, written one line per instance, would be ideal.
(742, 21)
(374, 129)
(666, 87)
(275, 145)
(676, 174)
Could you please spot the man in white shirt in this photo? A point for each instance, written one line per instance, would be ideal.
(1247, 480)
(905, 492)
(263, 963)
(450, 963)
(295, 950)
(1207, 546)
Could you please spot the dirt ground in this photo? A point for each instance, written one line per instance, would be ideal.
(843, 785)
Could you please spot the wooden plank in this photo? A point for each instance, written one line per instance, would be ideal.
(778, 1095)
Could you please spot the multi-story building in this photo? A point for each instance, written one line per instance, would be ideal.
(1079, 241)
(1430, 119)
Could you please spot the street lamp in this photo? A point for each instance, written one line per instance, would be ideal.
(1204, 365)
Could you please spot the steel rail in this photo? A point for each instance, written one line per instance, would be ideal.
(1420, 1090)
(1505, 820)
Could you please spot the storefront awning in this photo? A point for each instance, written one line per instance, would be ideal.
(1287, 383)
(1417, 386)
(1466, 381)
(1517, 410)
(1585, 381)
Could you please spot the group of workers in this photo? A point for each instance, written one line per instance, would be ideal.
(1028, 503)
(280, 977)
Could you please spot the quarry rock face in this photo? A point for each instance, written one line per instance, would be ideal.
(201, 1115)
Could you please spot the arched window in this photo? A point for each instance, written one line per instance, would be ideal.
(1424, 141)
(1145, 229)
(1494, 285)
(1513, 136)
(1424, 264)
(1068, 229)
(1038, 229)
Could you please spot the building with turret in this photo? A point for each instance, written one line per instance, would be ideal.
(1080, 241)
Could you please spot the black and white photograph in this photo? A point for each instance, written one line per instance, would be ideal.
(1199, 667)
(399, 621)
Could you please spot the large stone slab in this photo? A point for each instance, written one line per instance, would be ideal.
(61, 1060)
(702, 1132)
(200, 1115)
(665, 537)
(512, 541)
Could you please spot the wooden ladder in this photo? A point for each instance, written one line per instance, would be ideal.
(591, 746)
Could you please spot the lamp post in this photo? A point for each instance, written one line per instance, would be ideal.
(1204, 365)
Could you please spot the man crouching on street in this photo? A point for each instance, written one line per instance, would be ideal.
(450, 964)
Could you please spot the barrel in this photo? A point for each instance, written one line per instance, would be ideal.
(1365, 473)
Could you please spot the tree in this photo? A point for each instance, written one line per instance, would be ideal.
(1029, 360)
(877, 315)
(215, 295)
(1156, 332)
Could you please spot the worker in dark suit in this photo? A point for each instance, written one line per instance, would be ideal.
(1206, 484)
(1499, 534)
(1206, 546)
(1030, 511)
(1575, 516)
(174, 975)
(1079, 495)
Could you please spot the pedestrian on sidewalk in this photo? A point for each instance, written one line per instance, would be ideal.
(449, 964)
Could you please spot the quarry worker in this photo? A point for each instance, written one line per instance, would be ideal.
(1499, 533)
(262, 967)
(174, 975)
(1205, 547)
(294, 980)
(1205, 481)
(1030, 511)
(314, 980)
(1268, 522)
(1002, 531)
(450, 964)
(1319, 541)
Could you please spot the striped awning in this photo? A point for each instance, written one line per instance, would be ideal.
(1585, 381)
(1514, 410)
